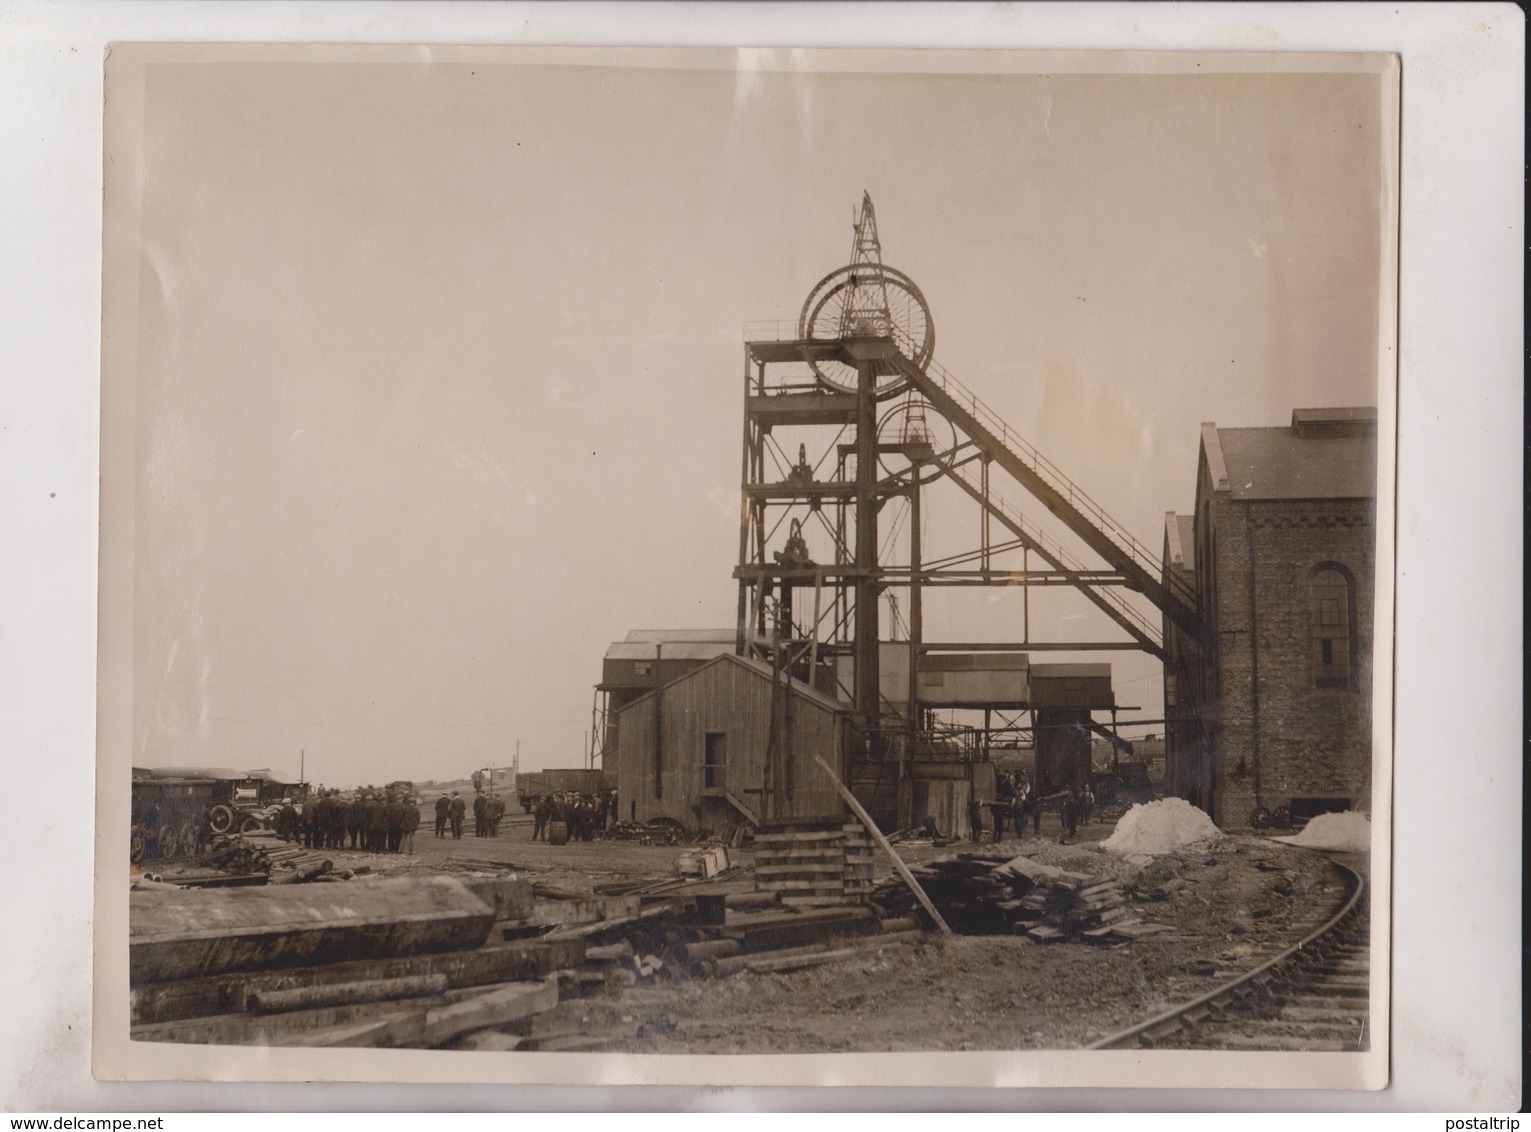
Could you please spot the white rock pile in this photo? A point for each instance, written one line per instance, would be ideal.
(1346, 833)
(1161, 827)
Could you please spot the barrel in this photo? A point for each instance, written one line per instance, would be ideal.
(558, 833)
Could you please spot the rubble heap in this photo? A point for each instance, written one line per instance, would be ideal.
(467, 963)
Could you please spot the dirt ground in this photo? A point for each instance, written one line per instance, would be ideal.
(1244, 899)
(1006, 992)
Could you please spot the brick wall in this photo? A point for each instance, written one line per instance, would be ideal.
(1294, 738)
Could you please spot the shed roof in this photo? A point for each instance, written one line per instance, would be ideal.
(974, 662)
(1065, 671)
(1300, 461)
(669, 650)
(227, 774)
(673, 644)
(668, 636)
(758, 668)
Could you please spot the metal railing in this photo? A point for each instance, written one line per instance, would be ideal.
(778, 330)
(1045, 469)
(1067, 561)
(772, 330)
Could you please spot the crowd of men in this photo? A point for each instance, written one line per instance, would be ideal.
(374, 821)
(452, 812)
(385, 821)
(583, 815)
(1021, 804)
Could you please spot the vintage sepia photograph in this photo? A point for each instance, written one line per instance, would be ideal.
(680, 553)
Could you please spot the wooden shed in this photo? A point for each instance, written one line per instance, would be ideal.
(699, 750)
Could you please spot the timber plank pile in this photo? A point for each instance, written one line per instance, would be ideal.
(395, 962)
(981, 894)
(237, 860)
(452, 962)
(815, 864)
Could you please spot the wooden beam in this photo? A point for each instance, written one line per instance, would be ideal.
(898, 862)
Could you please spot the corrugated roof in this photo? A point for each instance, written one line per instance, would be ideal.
(974, 662)
(760, 668)
(1276, 463)
(676, 636)
(1069, 671)
(222, 772)
(672, 650)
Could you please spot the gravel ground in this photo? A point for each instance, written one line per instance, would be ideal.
(1244, 900)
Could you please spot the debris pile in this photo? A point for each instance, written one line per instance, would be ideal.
(485, 960)
(1347, 833)
(630, 831)
(980, 894)
(233, 860)
(1161, 827)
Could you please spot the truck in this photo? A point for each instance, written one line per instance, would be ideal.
(176, 809)
(532, 785)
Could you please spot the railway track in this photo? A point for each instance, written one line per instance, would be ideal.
(1313, 996)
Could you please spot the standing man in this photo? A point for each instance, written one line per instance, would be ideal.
(457, 810)
(340, 817)
(493, 813)
(1018, 807)
(395, 823)
(378, 821)
(311, 822)
(480, 804)
(411, 823)
(443, 804)
(975, 818)
(1068, 813)
(322, 818)
(541, 812)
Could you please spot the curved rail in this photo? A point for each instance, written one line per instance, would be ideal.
(1170, 1020)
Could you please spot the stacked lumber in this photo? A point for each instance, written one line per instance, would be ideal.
(983, 894)
(433, 962)
(243, 856)
(814, 864)
(402, 962)
(188, 933)
(783, 939)
(858, 862)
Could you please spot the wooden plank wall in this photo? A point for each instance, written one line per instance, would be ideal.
(731, 698)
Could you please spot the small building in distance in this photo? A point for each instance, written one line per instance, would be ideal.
(642, 661)
(1271, 708)
(695, 750)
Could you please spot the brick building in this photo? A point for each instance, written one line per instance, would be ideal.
(1272, 706)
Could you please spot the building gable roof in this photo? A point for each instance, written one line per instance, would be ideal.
(755, 667)
(1274, 463)
(1323, 454)
(1179, 541)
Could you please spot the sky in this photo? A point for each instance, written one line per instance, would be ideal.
(438, 386)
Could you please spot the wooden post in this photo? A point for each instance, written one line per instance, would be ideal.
(898, 862)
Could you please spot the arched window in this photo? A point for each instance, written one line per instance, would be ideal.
(1329, 627)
